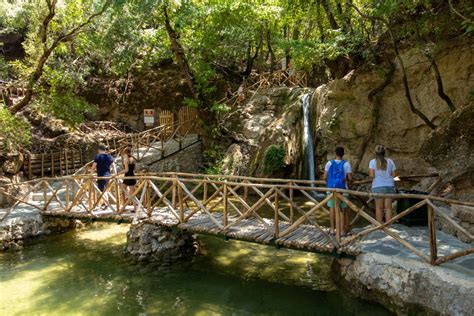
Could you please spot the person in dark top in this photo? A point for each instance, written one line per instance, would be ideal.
(102, 163)
(128, 170)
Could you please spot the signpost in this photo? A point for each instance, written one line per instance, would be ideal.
(149, 117)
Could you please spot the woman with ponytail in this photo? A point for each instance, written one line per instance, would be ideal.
(382, 171)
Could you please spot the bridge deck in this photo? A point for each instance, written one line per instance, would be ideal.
(305, 237)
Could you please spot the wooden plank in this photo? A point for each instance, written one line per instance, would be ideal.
(432, 235)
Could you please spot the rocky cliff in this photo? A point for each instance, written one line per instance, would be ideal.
(343, 114)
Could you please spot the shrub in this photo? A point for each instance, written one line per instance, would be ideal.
(273, 162)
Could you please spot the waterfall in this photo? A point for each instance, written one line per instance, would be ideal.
(308, 136)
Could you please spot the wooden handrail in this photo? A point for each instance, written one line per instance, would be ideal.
(187, 197)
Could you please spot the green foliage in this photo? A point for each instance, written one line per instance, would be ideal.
(60, 99)
(214, 160)
(14, 131)
(274, 159)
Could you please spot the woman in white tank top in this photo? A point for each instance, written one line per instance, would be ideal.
(382, 171)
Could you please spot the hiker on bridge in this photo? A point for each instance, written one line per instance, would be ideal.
(338, 175)
(382, 171)
(102, 163)
(128, 170)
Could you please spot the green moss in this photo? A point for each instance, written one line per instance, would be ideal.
(273, 161)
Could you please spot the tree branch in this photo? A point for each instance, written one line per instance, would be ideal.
(47, 51)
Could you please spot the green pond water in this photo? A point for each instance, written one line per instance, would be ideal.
(84, 273)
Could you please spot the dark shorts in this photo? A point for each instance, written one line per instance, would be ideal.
(102, 183)
(130, 182)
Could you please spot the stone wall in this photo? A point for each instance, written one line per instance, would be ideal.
(151, 242)
(407, 287)
(16, 230)
(188, 160)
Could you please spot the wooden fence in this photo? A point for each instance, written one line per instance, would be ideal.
(53, 163)
(220, 205)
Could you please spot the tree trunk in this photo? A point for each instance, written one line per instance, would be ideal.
(43, 33)
(270, 51)
(251, 59)
(330, 15)
(180, 56)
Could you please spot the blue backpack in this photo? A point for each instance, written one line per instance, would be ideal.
(336, 175)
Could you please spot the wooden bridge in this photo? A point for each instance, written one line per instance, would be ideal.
(281, 212)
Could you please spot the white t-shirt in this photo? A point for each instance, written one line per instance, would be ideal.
(347, 167)
(383, 178)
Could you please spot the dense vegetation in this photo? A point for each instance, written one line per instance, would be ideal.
(66, 42)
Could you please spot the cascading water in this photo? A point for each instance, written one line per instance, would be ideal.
(308, 137)
(308, 142)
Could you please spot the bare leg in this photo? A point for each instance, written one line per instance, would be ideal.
(332, 218)
(131, 191)
(379, 210)
(388, 209)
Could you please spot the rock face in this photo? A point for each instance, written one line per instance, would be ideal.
(269, 117)
(406, 286)
(344, 115)
(155, 243)
(14, 231)
(451, 150)
(124, 99)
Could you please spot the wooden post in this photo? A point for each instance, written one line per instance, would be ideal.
(118, 195)
(30, 172)
(246, 192)
(173, 200)
(67, 162)
(90, 195)
(291, 204)
(67, 194)
(81, 155)
(226, 202)
(276, 221)
(45, 195)
(52, 164)
(181, 202)
(73, 162)
(138, 147)
(60, 162)
(42, 165)
(432, 235)
(205, 192)
(338, 217)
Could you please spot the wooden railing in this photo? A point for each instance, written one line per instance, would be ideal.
(57, 163)
(223, 204)
(256, 81)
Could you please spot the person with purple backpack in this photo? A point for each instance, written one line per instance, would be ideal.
(338, 175)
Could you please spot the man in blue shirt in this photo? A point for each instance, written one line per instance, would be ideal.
(102, 163)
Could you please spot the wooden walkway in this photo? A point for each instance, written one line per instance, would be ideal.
(305, 237)
(282, 212)
(70, 161)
